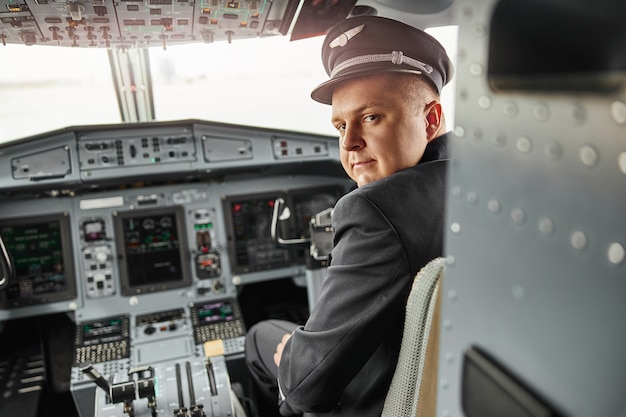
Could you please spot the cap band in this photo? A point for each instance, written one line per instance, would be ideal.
(395, 57)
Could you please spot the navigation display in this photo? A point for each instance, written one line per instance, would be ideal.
(248, 220)
(41, 251)
(151, 244)
(250, 242)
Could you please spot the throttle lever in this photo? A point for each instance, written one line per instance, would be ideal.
(93, 374)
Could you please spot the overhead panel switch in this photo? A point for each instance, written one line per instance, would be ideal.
(75, 10)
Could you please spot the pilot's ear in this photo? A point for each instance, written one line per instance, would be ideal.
(434, 116)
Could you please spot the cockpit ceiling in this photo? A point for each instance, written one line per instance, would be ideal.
(131, 23)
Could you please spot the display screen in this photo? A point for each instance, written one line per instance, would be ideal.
(41, 252)
(215, 312)
(103, 331)
(545, 58)
(249, 220)
(251, 244)
(94, 230)
(151, 244)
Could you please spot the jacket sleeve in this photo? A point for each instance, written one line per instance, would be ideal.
(358, 304)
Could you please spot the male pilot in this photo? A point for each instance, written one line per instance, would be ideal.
(385, 82)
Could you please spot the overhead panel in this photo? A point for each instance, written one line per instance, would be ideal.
(51, 163)
(130, 23)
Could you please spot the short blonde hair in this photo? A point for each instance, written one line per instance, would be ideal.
(414, 90)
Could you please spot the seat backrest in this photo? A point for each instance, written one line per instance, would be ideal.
(414, 386)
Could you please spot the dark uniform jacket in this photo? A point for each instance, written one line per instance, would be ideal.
(342, 361)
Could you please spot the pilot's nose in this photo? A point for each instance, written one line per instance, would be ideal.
(352, 139)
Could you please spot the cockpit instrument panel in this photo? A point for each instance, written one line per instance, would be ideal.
(42, 254)
(248, 220)
(151, 246)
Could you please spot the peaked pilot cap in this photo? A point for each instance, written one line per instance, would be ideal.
(365, 45)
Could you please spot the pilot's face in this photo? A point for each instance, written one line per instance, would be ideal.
(379, 133)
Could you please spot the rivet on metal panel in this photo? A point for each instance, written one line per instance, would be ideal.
(499, 139)
(518, 292)
(578, 113)
(459, 131)
(541, 112)
(523, 144)
(447, 324)
(472, 197)
(588, 155)
(444, 383)
(621, 160)
(480, 30)
(461, 55)
(457, 191)
(494, 206)
(553, 151)
(618, 112)
(510, 109)
(484, 102)
(449, 358)
(476, 70)
(518, 215)
(452, 296)
(455, 228)
(477, 135)
(546, 226)
(616, 253)
(578, 240)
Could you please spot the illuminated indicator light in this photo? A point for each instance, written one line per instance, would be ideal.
(206, 10)
(14, 7)
(237, 208)
(243, 24)
(232, 4)
(214, 21)
(256, 15)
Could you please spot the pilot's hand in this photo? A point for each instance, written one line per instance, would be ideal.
(279, 348)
